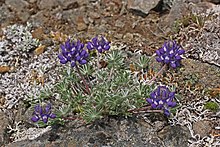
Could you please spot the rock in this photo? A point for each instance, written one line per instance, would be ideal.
(178, 10)
(39, 18)
(213, 1)
(119, 23)
(20, 7)
(23, 16)
(17, 5)
(128, 36)
(81, 26)
(47, 4)
(175, 136)
(2, 100)
(5, 16)
(142, 7)
(68, 4)
(205, 46)
(94, 15)
(3, 124)
(4, 69)
(39, 50)
(38, 33)
(118, 36)
(32, 1)
(202, 127)
(201, 7)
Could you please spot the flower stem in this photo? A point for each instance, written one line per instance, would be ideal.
(110, 74)
(144, 109)
(84, 80)
(159, 72)
(98, 59)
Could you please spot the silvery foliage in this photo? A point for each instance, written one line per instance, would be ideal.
(114, 89)
(17, 40)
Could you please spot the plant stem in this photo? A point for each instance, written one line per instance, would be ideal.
(110, 74)
(144, 109)
(159, 72)
(98, 59)
(84, 80)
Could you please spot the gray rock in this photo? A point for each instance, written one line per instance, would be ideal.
(68, 4)
(175, 136)
(5, 15)
(94, 15)
(23, 16)
(47, 4)
(17, 5)
(3, 125)
(128, 36)
(81, 26)
(39, 18)
(206, 45)
(214, 1)
(203, 128)
(119, 23)
(20, 7)
(32, 1)
(178, 10)
(142, 7)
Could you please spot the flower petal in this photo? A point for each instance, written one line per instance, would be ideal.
(35, 118)
(52, 116)
(158, 52)
(178, 57)
(83, 53)
(44, 118)
(73, 63)
(106, 46)
(159, 59)
(82, 62)
(47, 108)
(150, 101)
(153, 95)
(90, 46)
(171, 104)
(153, 106)
(63, 60)
(171, 95)
(173, 65)
(180, 52)
(166, 112)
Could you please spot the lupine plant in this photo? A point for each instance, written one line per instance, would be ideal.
(111, 88)
(42, 113)
(162, 98)
(75, 54)
(170, 54)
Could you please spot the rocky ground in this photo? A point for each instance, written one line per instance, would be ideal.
(134, 25)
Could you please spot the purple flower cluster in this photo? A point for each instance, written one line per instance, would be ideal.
(101, 45)
(162, 98)
(170, 54)
(74, 53)
(42, 113)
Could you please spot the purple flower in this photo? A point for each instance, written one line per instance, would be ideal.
(100, 45)
(170, 54)
(43, 113)
(73, 53)
(162, 98)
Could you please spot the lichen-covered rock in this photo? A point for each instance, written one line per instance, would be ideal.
(142, 7)
(204, 44)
